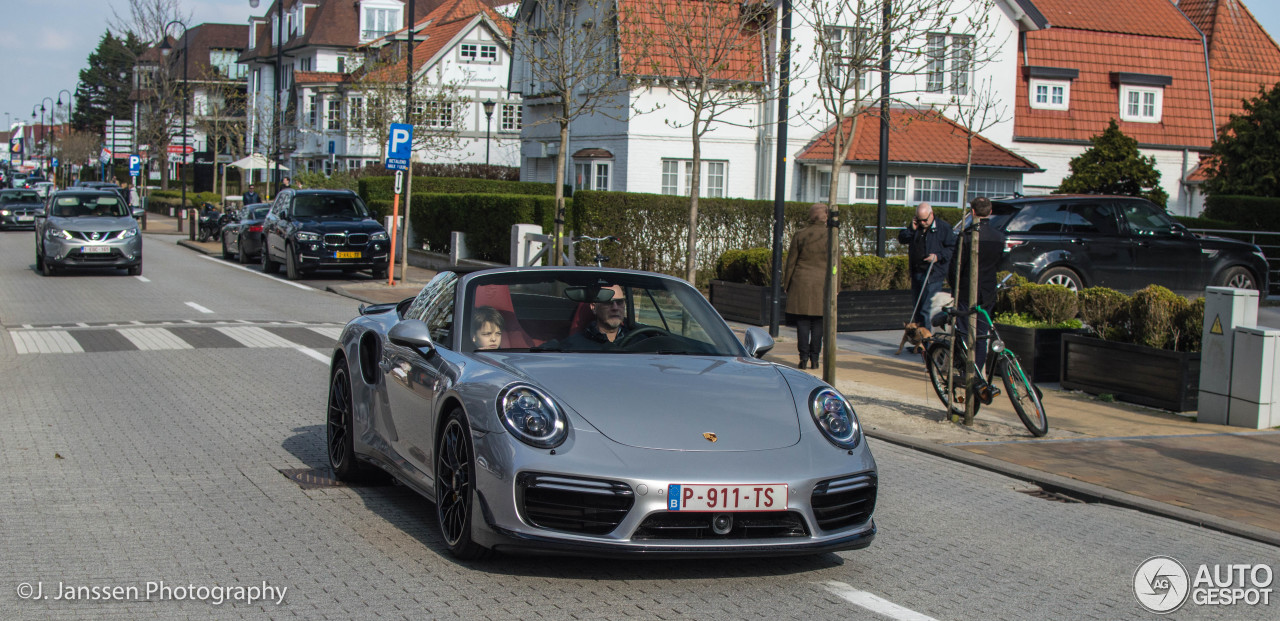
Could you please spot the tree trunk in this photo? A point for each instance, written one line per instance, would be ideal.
(695, 186)
(831, 290)
(972, 373)
(556, 244)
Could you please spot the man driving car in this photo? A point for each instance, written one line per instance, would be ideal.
(607, 328)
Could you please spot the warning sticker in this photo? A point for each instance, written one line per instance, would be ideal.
(1217, 325)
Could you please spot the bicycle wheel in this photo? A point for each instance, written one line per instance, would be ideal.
(937, 358)
(1024, 395)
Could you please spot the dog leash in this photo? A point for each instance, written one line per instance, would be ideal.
(920, 297)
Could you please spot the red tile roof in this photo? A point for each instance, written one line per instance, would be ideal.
(1242, 56)
(1200, 173)
(688, 38)
(319, 77)
(916, 137)
(1095, 99)
(441, 25)
(1155, 18)
(330, 23)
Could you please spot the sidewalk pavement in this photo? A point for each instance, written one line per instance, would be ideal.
(1223, 478)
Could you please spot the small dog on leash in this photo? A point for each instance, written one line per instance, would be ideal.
(916, 333)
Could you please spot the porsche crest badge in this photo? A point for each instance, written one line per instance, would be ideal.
(710, 436)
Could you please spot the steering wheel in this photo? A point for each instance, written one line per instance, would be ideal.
(635, 334)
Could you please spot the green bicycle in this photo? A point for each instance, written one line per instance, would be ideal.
(1023, 393)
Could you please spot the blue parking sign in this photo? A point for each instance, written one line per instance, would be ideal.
(135, 166)
(399, 146)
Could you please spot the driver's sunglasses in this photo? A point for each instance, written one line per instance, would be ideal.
(924, 221)
(617, 302)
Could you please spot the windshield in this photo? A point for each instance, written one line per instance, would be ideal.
(328, 206)
(592, 312)
(88, 205)
(258, 213)
(23, 196)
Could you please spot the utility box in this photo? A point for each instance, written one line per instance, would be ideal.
(458, 247)
(523, 246)
(1255, 387)
(1225, 309)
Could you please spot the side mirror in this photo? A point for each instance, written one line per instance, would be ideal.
(137, 212)
(412, 333)
(758, 342)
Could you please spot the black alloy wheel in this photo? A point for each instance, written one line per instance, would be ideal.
(240, 253)
(268, 266)
(1236, 277)
(455, 487)
(290, 264)
(1062, 276)
(338, 426)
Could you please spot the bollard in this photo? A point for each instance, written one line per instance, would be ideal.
(193, 224)
(144, 220)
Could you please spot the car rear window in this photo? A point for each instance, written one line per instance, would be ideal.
(20, 197)
(1031, 218)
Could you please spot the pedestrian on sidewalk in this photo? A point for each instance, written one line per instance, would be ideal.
(931, 245)
(251, 197)
(990, 250)
(804, 281)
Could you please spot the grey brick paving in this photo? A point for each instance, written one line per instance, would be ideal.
(169, 470)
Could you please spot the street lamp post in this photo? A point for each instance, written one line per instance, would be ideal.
(33, 129)
(488, 124)
(70, 103)
(165, 50)
(44, 130)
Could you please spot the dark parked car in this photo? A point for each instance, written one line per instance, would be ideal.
(242, 237)
(18, 208)
(307, 230)
(1120, 242)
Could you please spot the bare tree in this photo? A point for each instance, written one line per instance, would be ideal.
(220, 114)
(708, 55)
(146, 19)
(851, 38)
(566, 59)
(377, 101)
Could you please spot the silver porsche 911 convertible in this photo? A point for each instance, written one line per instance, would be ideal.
(597, 412)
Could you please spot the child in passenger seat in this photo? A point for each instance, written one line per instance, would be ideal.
(486, 327)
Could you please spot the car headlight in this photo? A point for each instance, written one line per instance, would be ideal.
(304, 236)
(835, 417)
(531, 416)
(127, 233)
(4, 212)
(57, 233)
(379, 236)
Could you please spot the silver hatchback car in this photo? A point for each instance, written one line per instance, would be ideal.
(87, 228)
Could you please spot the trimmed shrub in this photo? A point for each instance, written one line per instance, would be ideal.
(866, 273)
(485, 218)
(1190, 324)
(1255, 213)
(374, 188)
(1103, 310)
(380, 209)
(1155, 314)
(1051, 303)
(753, 266)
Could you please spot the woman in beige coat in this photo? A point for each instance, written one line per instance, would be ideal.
(804, 281)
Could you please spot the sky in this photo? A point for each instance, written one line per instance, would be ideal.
(46, 43)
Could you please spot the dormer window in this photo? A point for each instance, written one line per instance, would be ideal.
(1141, 96)
(379, 18)
(1050, 87)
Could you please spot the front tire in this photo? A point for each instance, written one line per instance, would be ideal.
(1236, 277)
(338, 426)
(47, 268)
(290, 264)
(455, 487)
(1025, 398)
(226, 253)
(1062, 276)
(204, 235)
(240, 253)
(938, 359)
(136, 270)
(379, 273)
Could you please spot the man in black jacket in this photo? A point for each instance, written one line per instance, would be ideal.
(990, 250)
(930, 247)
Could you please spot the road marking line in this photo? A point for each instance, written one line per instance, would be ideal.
(27, 326)
(82, 324)
(45, 342)
(153, 339)
(874, 603)
(256, 337)
(314, 354)
(241, 267)
(143, 278)
(199, 308)
(333, 333)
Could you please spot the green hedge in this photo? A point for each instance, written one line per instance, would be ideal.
(485, 218)
(1254, 213)
(654, 227)
(861, 273)
(382, 188)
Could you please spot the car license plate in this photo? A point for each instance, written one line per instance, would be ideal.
(95, 249)
(26, 218)
(347, 255)
(727, 498)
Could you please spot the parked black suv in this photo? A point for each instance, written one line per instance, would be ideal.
(1120, 242)
(308, 230)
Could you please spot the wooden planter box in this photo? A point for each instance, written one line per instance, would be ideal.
(855, 310)
(1038, 349)
(1157, 378)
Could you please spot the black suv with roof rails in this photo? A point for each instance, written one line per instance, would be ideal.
(307, 230)
(1119, 242)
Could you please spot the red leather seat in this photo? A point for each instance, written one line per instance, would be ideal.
(499, 297)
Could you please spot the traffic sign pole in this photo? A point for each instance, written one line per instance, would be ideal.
(395, 218)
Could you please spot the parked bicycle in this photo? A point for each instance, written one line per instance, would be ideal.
(600, 258)
(1023, 393)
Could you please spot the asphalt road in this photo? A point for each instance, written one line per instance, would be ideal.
(154, 454)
